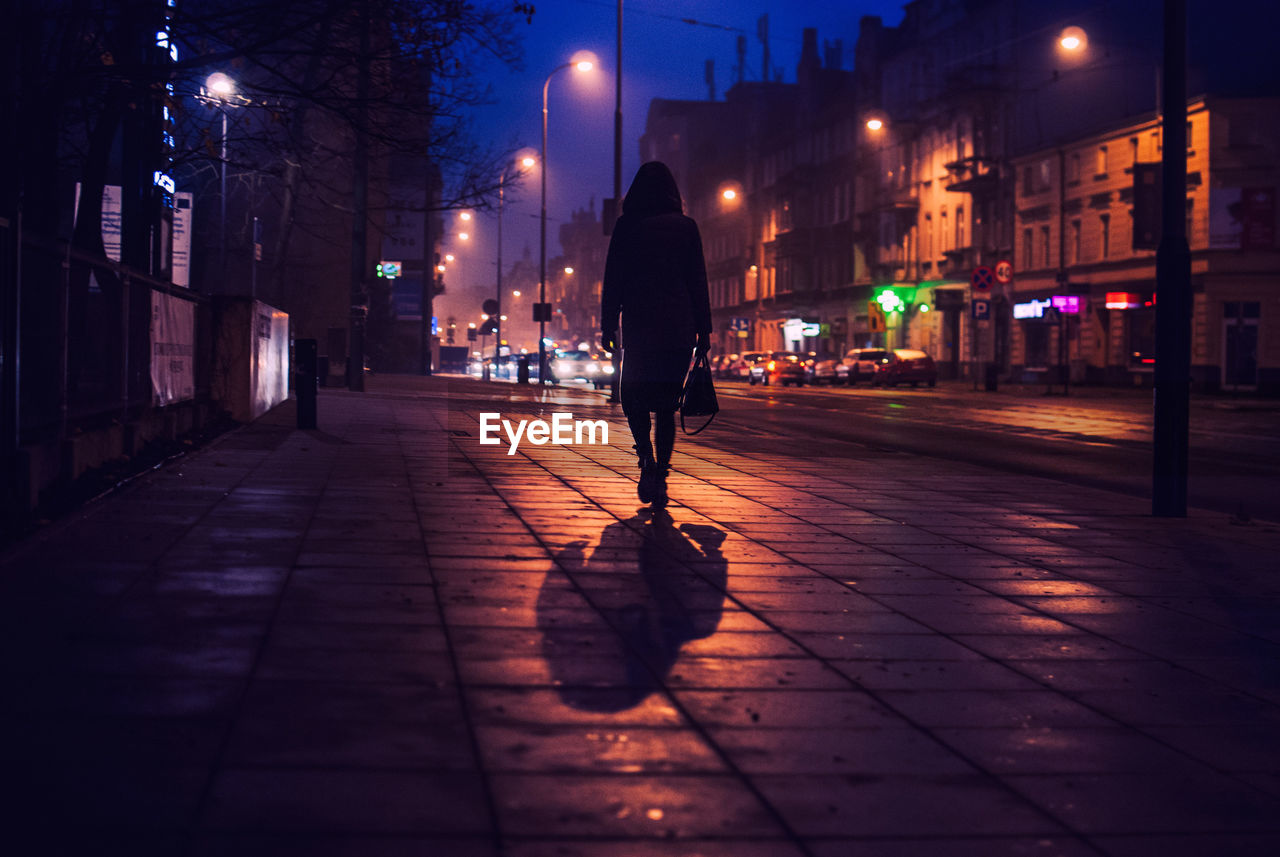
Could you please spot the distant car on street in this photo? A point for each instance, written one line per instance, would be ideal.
(822, 368)
(781, 367)
(741, 367)
(906, 366)
(581, 366)
(722, 365)
(860, 364)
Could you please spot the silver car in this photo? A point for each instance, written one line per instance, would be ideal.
(582, 366)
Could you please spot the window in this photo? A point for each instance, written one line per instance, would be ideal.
(1073, 168)
(1044, 239)
(1189, 146)
(1101, 167)
(1106, 235)
(1190, 218)
(1045, 173)
(1133, 150)
(928, 237)
(1141, 336)
(1026, 247)
(960, 242)
(946, 233)
(1027, 187)
(1075, 242)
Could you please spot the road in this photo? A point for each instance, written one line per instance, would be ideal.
(1094, 437)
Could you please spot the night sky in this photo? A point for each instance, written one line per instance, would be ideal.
(663, 57)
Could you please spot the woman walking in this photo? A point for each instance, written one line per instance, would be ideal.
(655, 278)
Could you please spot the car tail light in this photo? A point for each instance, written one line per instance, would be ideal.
(772, 365)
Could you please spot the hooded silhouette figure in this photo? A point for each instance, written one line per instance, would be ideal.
(655, 290)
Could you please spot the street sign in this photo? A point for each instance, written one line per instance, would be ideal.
(489, 307)
(981, 309)
(875, 318)
(740, 323)
(982, 278)
(1004, 272)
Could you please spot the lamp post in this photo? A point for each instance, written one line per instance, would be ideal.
(525, 163)
(585, 62)
(222, 89)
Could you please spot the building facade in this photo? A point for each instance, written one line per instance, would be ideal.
(1087, 240)
(857, 208)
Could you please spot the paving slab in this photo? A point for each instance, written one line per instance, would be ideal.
(381, 637)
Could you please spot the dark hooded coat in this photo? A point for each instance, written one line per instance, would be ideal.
(655, 276)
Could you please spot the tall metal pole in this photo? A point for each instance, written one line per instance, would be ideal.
(497, 319)
(222, 226)
(360, 216)
(542, 241)
(1173, 284)
(617, 121)
(425, 300)
(615, 357)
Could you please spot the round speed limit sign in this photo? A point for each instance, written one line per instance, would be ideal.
(1004, 271)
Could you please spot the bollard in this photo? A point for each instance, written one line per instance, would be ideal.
(522, 370)
(306, 352)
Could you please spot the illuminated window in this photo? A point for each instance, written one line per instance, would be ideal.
(1101, 166)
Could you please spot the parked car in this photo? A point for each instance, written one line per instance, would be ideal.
(781, 367)
(822, 368)
(906, 366)
(581, 365)
(741, 367)
(860, 364)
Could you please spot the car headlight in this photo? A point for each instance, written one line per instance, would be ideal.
(608, 368)
(593, 368)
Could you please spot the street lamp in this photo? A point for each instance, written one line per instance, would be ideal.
(582, 61)
(1073, 39)
(221, 88)
(526, 162)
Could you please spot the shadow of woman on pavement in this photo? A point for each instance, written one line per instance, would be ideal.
(615, 615)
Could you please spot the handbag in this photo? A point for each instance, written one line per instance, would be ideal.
(698, 398)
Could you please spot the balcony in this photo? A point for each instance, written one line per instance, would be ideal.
(978, 175)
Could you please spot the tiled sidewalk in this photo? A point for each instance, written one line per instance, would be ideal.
(382, 638)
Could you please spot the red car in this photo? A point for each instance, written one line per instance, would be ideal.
(906, 366)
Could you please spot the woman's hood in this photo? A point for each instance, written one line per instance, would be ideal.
(653, 191)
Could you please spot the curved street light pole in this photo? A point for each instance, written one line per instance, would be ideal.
(542, 237)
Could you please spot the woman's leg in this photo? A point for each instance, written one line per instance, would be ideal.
(639, 424)
(664, 435)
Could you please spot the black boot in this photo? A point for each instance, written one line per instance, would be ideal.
(648, 488)
(660, 493)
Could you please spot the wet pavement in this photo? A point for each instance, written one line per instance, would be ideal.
(384, 638)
